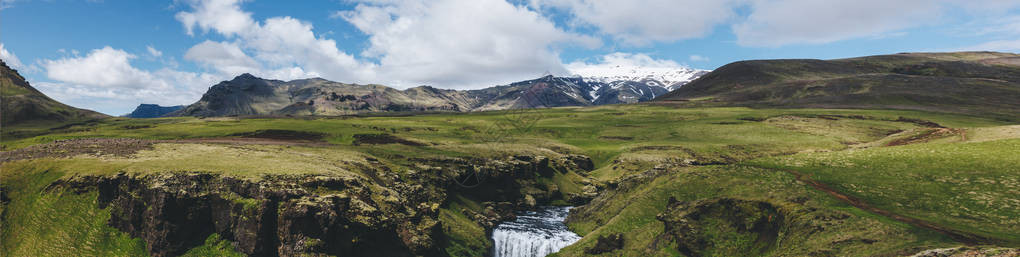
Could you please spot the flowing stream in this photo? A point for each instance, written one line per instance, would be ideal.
(533, 234)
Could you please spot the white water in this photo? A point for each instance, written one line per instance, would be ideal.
(533, 234)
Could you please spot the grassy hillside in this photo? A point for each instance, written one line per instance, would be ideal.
(961, 183)
(978, 83)
(665, 176)
(24, 104)
(808, 222)
(976, 181)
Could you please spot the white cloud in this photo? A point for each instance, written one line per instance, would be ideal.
(447, 43)
(222, 56)
(460, 43)
(783, 22)
(224, 16)
(614, 61)
(640, 22)
(153, 52)
(105, 67)
(279, 47)
(9, 58)
(104, 80)
(698, 58)
(766, 23)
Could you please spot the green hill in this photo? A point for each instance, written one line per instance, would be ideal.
(983, 83)
(22, 103)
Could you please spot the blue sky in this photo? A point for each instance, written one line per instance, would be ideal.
(110, 55)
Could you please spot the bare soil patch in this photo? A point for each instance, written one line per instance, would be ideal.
(74, 147)
(128, 146)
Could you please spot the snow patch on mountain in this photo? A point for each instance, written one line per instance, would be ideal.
(665, 77)
(641, 68)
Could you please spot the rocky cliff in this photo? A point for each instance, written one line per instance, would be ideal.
(298, 215)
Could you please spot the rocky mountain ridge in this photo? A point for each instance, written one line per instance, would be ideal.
(250, 95)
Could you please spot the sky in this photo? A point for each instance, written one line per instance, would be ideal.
(111, 55)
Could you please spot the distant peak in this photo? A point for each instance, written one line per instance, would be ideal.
(246, 76)
(664, 75)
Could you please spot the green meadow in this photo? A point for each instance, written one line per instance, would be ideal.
(965, 180)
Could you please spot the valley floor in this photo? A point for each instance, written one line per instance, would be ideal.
(647, 180)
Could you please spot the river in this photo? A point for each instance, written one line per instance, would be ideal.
(534, 233)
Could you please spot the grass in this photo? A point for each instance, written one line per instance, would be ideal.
(41, 222)
(242, 161)
(746, 147)
(967, 186)
(464, 236)
(633, 212)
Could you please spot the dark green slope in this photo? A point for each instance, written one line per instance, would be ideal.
(977, 83)
(23, 103)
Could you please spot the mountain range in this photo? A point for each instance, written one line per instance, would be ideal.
(250, 95)
(984, 83)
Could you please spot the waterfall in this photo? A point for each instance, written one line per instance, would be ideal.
(533, 234)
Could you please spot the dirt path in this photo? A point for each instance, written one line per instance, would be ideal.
(960, 236)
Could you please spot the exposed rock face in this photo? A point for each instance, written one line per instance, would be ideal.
(152, 111)
(379, 215)
(250, 95)
(22, 103)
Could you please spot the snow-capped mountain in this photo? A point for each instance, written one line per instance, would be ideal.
(669, 78)
(250, 95)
